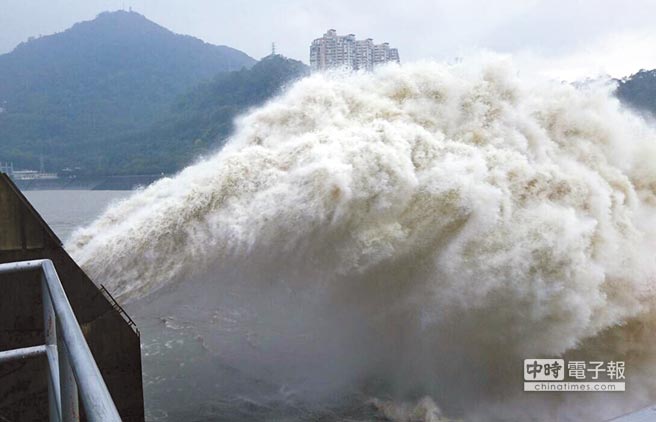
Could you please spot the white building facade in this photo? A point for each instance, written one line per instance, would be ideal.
(343, 51)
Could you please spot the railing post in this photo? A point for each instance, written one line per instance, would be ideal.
(70, 409)
(50, 334)
(95, 397)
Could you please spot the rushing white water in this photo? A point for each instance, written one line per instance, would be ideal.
(435, 225)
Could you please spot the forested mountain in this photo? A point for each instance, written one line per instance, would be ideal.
(639, 90)
(122, 95)
(64, 96)
(200, 120)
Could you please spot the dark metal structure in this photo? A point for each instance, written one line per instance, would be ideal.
(72, 370)
(113, 341)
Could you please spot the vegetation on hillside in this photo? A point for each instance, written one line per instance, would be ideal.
(200, 120)
(63, 96)
(123, 95)
(639, 91)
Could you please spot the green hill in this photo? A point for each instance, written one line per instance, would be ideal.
(639, 91)
(200, 120)
(66, 95)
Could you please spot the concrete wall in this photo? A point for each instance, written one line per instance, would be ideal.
(114, 343)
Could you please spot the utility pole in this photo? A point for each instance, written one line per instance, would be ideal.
(273, 48)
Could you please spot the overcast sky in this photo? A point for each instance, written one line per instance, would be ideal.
(567, 39)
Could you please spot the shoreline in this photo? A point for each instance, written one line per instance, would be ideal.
(128, 182)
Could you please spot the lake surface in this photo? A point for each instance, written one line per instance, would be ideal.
(66, 210)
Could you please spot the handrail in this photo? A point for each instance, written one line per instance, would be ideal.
(69, 357)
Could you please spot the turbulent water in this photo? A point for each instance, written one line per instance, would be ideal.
(413, 232)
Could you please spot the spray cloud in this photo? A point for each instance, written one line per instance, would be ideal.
(459, 218)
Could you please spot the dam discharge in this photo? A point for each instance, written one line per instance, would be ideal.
(426, 226)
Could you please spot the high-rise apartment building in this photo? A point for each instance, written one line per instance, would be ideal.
(344, 51)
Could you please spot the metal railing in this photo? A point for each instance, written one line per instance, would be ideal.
(118, 308)
(70, 361)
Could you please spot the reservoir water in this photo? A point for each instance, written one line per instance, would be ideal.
(64, 210)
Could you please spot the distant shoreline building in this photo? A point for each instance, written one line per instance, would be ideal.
(343, 51)
(8, 168)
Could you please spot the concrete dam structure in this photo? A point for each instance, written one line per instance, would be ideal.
(110, 334)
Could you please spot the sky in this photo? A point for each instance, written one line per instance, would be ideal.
(570, 40)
